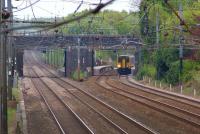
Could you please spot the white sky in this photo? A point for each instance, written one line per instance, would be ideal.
(59, 8)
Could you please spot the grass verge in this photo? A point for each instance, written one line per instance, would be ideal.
(12, 109)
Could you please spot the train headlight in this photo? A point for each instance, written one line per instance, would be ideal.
(118, 65)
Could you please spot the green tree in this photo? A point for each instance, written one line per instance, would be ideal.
(106, 22)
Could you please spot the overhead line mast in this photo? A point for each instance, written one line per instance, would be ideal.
(181, 39)
(3, 71)
(1, 93)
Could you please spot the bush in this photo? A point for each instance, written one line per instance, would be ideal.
(163, 59)
(75, 75)
(172, 75)
(146, 70)
(187, 77)
(189, 67)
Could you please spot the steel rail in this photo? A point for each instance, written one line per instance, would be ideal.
(104, 117)
(139, 124)
(87, 104)
(158, 102)
(150, 106)
(47, 104)
(67, 106)
(164, 94)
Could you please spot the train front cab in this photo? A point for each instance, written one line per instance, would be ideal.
(123, 65)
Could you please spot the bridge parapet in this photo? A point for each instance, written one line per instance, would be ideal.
(62, 41)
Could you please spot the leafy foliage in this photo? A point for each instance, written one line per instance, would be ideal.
(189, 72)
(172, 76)
(168, 22)
(166, 59)
(146, 70)
(106, 22)
(162, 64)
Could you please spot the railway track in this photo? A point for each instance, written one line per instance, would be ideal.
(99, 117)
(123, 122)
(62, 113)
(190, 115)
(191, 104)
(155, 103)
(165, 94)
(187, 116)
(171, 99)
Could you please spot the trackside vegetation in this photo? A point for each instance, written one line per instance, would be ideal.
(158, 61)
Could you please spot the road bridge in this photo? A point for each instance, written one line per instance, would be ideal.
(27, 42)
(63, 41)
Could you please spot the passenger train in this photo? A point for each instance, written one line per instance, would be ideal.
(125, 64)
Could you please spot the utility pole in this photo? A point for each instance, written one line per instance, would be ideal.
(10, 53)
(181, 38)
(56, 51)
(92, 68)
(157, 40)
(145, 21)
(48, 60)
(78, 69)
(65, 61)
(54, 59)
(45, 59)
(157, 28)
(51, 58)
(1, 93)
(3, 70)
(89, 31)
(4, 81)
